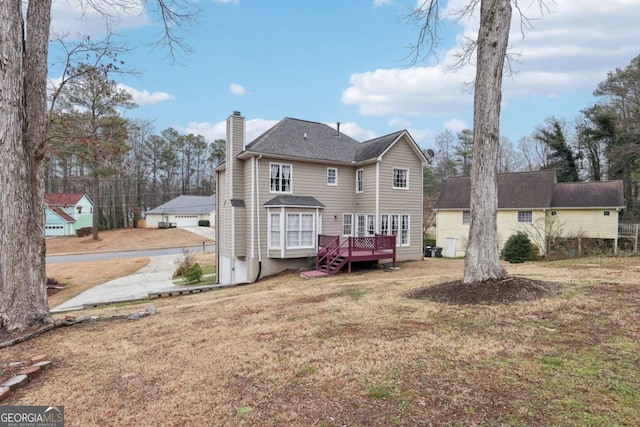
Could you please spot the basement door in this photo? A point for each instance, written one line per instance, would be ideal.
(450, 247)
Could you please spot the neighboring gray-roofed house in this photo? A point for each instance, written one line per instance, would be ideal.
(183, 211)
(532, 202)
(301, 179)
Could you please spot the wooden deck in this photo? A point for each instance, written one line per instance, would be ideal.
(335, 252)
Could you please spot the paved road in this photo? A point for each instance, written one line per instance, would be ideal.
(146, 253)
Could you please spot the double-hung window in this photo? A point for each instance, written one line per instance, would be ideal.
(347, 225)
(384, 224)
(274, 231)
(359, 180)
(332, 176)
(466, 217)
(299, 230)
(404, 230)
(400, 178)
(280, 175)
(371, 226)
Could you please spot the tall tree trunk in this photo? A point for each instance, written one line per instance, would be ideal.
(482, 261)
(23, 73)
(96, 203)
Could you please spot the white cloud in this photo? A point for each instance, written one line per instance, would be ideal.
(399, 123)
(455, 125)
(354, 131)
(236, 89)
(568, 50)
(415, 91)
(379, 3)
(74, 18)
(212, 131)
(144, 97)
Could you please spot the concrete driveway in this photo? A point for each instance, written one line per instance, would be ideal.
(154, 278)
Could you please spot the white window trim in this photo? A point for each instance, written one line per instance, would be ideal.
(350, 216)
(300, 230)
(332, 184)
(269, 227)
(382, 222)
(393, 179)
(400, 229)
(290, 178)
(469, 214)
(523, 213)
(359, 181)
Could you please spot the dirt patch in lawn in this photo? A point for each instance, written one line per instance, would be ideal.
(504, 291)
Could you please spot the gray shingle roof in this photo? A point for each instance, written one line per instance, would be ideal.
(375, 147)
(187, 205)
(318, 141)
(287, 138)
(535, 190)
(596, 194)
(287, 200)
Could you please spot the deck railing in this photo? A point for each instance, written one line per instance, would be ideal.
(628, 230)
(330, 248)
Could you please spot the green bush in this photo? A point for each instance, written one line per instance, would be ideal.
(193, 274)
(518, 249)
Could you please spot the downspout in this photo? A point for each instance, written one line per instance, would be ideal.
(257, 210)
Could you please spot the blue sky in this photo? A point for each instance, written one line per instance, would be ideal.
(346, 61)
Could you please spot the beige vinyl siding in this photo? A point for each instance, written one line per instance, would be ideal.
(403, 201)
(236, 128)
(309, 179)
(449, 226)
(223, 205)
(590, 223)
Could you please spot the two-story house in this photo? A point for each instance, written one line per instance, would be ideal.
(301, 183)
(67, 212)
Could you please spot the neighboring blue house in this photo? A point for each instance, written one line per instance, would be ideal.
(67, 212)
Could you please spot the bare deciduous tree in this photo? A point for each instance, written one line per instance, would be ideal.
(23, 123)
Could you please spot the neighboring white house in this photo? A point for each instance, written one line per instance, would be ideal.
(65, 213)
(303, 186)
(183, 211)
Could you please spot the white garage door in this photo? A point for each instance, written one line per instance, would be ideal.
(54, 230)
(187, 220)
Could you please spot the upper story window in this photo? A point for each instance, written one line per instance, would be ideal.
(607, 213)
(332, 176)
(359, 180)
(466, 217)
(525, 217)
(280, 175)
(400, 178)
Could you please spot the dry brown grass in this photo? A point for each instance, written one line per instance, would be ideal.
(349, 350)
(127, 239)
